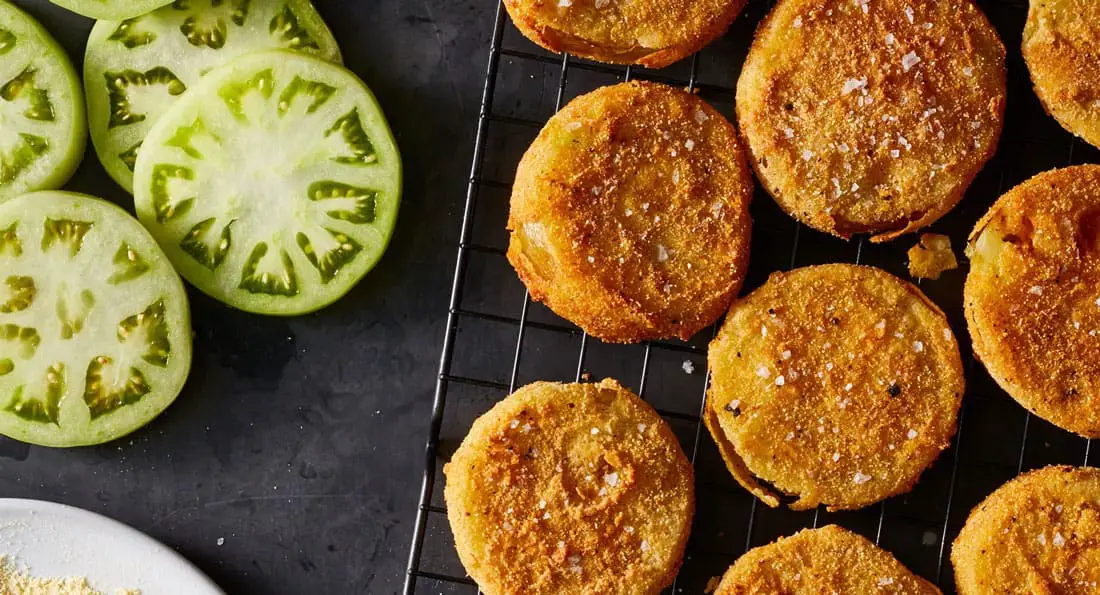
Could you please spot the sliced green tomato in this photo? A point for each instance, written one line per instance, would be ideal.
(273, 184)
(42, 128)
(95, 332)
(114, 10)
(135, 69)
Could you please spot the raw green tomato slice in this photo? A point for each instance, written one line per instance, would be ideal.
(114, 10)
(272, 184)
(134, 69)
(42, 127)
(95, 332)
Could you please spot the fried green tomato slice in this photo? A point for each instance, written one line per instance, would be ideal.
(43, 131)
(652, 34)
(115, 10)
(1032, 296)
(1060, 41)
(629, 215)
(826, 560)
(835, 384)
(95, 331)
(570, 488)
(871, 116)
(1037, 534)
(135, 69)
(273, 184)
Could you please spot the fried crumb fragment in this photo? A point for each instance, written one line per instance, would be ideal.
(931, 256)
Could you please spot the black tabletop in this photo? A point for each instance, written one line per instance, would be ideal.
(291, 462)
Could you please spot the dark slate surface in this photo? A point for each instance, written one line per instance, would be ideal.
(299, 441)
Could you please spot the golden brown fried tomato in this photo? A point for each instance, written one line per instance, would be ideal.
(1062, 49)
(837, 384)
(1037, 534)
(1033, 296)
(570, 488)
(653, 33)
(826, 560)
(630, 214)
(871, 116)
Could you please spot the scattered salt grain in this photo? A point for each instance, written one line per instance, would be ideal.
(912, 434)
(853, 85)
(836, 456)
(514, 424)
(1042, 539)
(1035, 290)
(641, 427)
(786, 354)
(565, 3)
(662, 253)
(645, 546)
(595, 431)
(790, 436)
(689, 144)
(918, 346)
(807, 155)
(780, 380)
(701, 116)
(788, 132)
(611, 479)
(886, 580)
(221, 541)
(968, 71)
(763, 330)
(763, 372)
(848, 387)
(890, 39)
(573, 126)
(909, 14)
(797, 22)
(591, 259)
(860, 478)
(909, 60)
(688, 367)
(1058, 540)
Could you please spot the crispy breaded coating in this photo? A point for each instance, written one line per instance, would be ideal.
(1037, 534)
(629, 214)
(836, 384)
(826, 560)
(1062, 51)
(871, 116)
(570, 488)
(654, 33)
(931, 256)
(1032, 296)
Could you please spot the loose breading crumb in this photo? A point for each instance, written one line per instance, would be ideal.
(931, 256)
(14, 581)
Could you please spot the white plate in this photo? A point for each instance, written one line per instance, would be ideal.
(54, 540)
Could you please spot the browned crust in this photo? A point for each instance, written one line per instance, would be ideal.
(1031, 296)
(1060, 44)
(629, 214)
(790, 404)
(792, 104)
(826, 560)
(1037, 534)
(654, 34)
(539, 503)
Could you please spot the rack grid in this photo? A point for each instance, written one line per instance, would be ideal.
(497, 338)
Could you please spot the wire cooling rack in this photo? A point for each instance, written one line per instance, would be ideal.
(498, 339)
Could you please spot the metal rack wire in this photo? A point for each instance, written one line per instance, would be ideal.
(497, 338)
